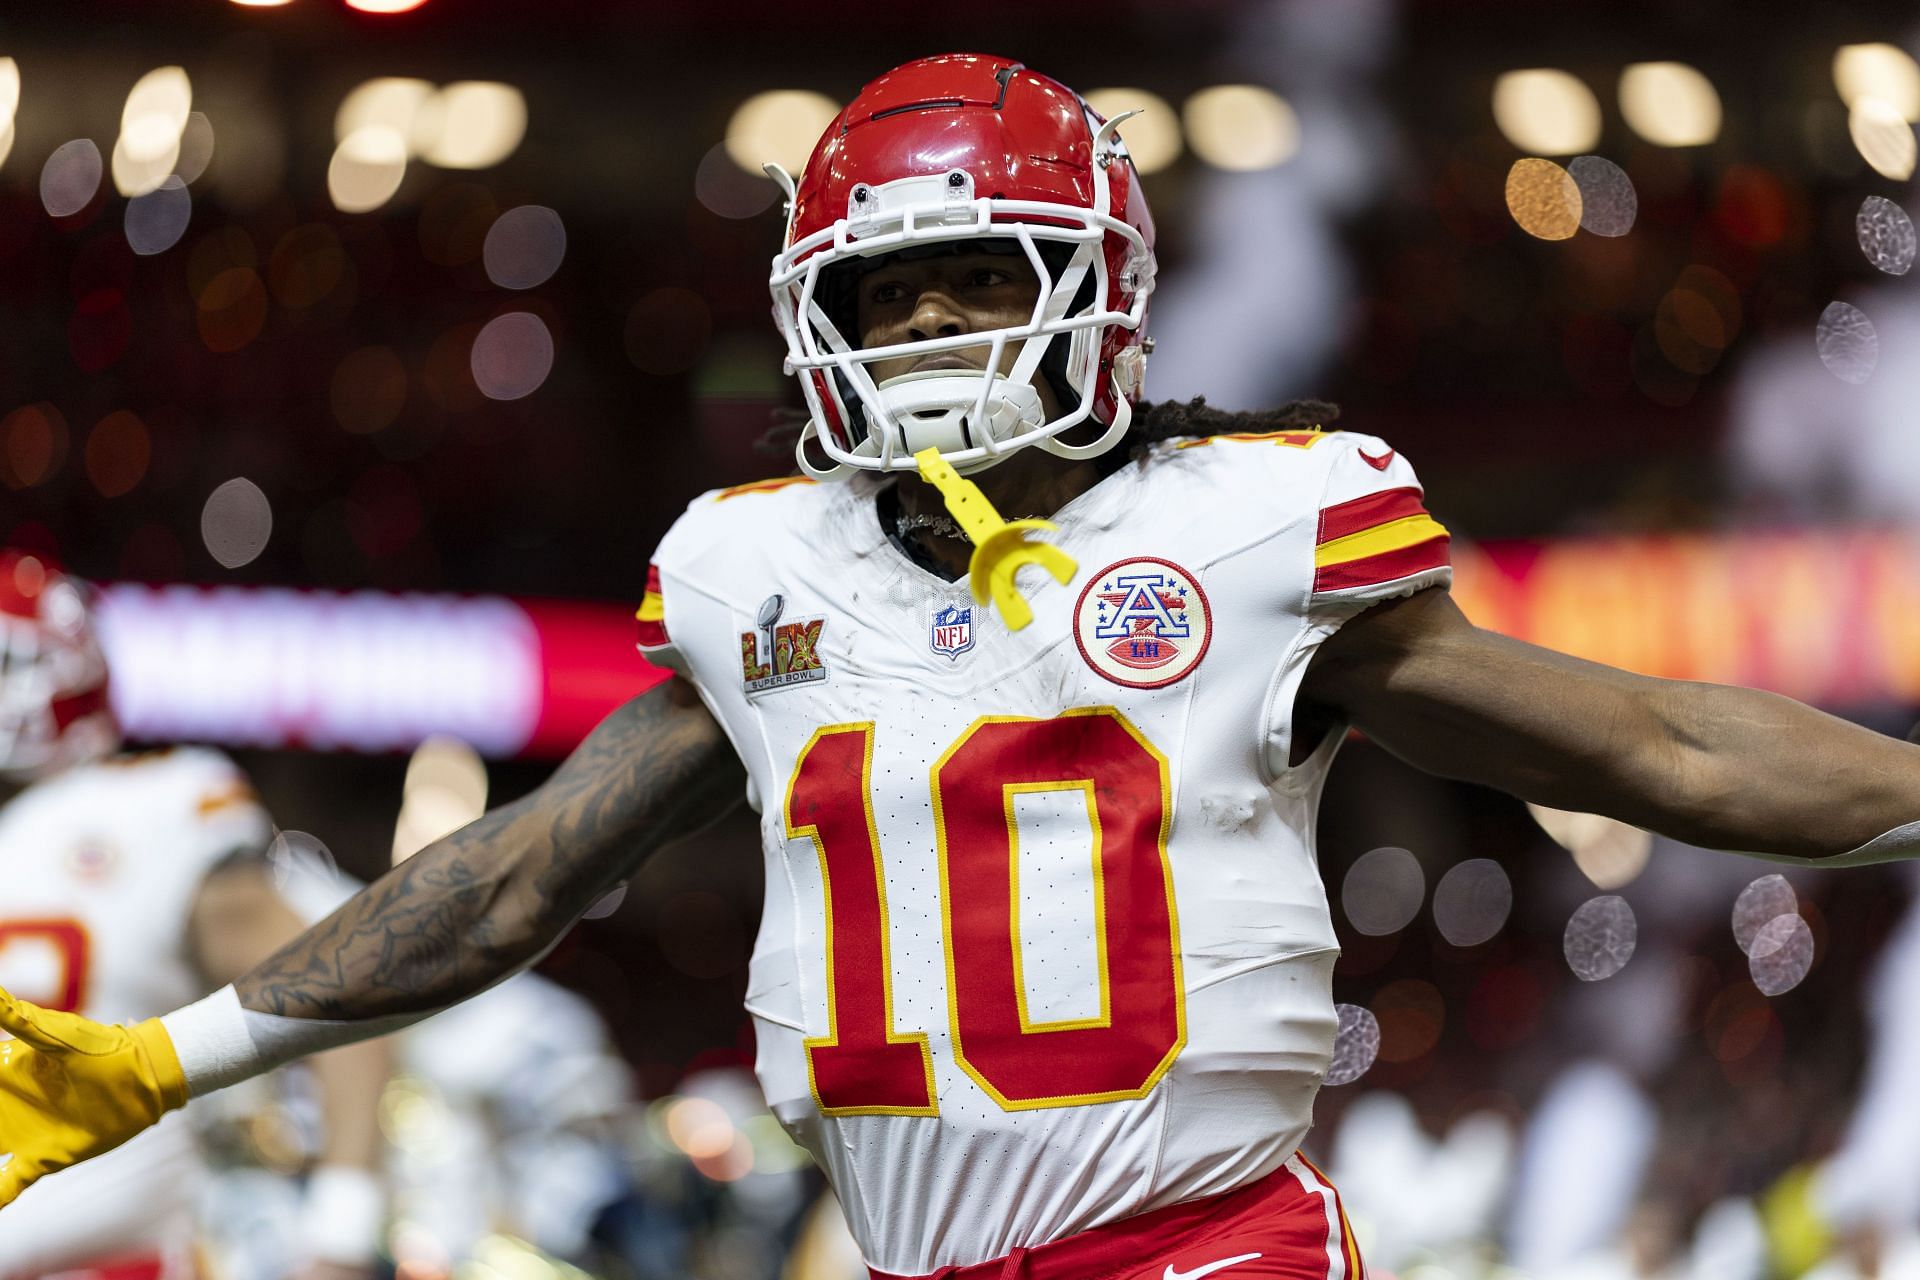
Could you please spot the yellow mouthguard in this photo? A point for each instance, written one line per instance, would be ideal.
(999, 547)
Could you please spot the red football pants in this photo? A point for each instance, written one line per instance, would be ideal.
(1287, 1226)
(143, 1267)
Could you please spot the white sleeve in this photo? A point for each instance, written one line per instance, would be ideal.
(1375, 540)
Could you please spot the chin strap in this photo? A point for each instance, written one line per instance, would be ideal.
(999, 547)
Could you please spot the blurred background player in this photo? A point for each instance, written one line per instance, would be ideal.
(128, 882)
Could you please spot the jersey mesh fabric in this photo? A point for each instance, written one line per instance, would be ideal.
(993, 1156)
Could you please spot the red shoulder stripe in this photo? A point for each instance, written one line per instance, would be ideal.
(1370, 571)
(1369, 510)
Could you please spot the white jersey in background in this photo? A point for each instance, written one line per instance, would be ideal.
(1045, 943)
(99, 867)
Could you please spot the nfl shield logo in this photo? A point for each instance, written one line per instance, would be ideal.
(952, 631)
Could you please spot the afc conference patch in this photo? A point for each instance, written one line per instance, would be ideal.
(1143, 623)
(951, 633)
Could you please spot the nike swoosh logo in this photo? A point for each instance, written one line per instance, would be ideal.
(1378, 464)
(1211, 1267)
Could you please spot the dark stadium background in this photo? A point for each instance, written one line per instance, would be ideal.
(1518, 373)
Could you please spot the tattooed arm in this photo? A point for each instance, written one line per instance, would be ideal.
(442, 926)
(493, 896)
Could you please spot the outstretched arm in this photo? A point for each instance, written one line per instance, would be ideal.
(442, 926)
(1712, 765)
(493, 896)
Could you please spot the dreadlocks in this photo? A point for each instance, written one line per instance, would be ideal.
(1171, 419)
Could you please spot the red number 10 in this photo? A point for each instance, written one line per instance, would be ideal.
(862, 1066)
(69, 939)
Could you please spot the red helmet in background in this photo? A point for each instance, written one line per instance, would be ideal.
(53, 677)
(945, 154)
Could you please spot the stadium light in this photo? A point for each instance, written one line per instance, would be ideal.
(1546, 111)
(778, 127)
(1153, 136)
(1880, 71)
(1241, 127)
(1670, 104)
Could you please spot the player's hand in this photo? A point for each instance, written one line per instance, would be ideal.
(71, 1088)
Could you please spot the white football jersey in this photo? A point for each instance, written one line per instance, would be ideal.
(1045, 942)
(99, 866)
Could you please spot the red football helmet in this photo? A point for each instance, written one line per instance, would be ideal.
(941, 153)
(53, 678)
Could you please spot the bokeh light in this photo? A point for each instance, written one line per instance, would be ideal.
(392, 101)
(1382, 891)
(512, 356)
(524, 247)
(779, 127)
(369, 390)
(1241, 127)
(445, 789)
(1848, 343)
(1883, 137)
(151, 125)
(236, 522)
(232, 309)
(1411, 1013)
(1760, 903)
(1546, 111)
(196, 147)
(1472, 902)
(367, 168)
(1881, 71)
(71, 177)
(33, 445)
(1608, 202)
(724, 188)
(1782, 955)
(1600, 938)
(118, 451)
(1886, 235)
(385, 6)
(1544, 199)
(156, 220)
(1355, 1045)
(1670, 104)
(699, 1127)
(1608, 852)
(9, 104)
(1152, 138)
(471, 124)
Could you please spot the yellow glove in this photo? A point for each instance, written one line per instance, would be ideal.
(71, 1088)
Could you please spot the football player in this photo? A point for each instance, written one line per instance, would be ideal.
(128, 884)
(1043, 980)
